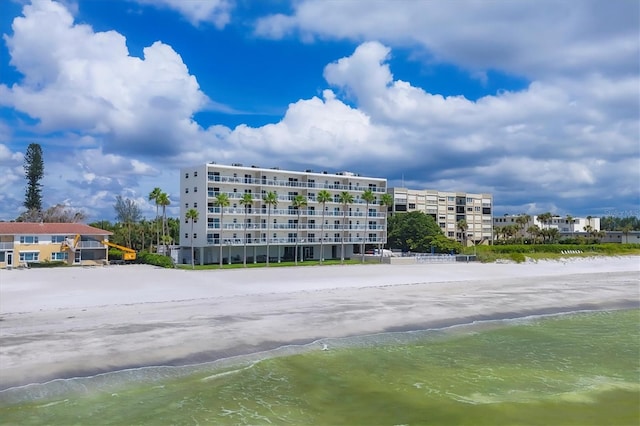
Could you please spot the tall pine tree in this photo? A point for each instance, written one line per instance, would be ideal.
(34, 172)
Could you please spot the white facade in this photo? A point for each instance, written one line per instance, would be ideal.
(565, 225)
(200, 185)
(448, 208)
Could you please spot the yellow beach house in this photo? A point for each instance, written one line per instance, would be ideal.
(23, 243)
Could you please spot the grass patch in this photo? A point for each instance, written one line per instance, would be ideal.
(518, 252)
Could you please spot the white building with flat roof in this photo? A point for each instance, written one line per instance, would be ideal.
(566, 225)
(448, 208)
(237, 225)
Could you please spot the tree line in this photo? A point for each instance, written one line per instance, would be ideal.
(520, 233)
(414, 231)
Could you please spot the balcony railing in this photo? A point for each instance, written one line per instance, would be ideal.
(90, 245)
(287, 240)
(6, 246)
(292, 212)
(293, 227)
(291, 184)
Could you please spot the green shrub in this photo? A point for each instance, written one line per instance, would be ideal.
(155, 259)
(517, 257)
(115, 254)
(47, 264)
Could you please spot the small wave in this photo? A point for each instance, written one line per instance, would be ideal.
(116, 380)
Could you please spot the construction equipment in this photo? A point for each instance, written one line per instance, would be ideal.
(127, 253)
(71, 243)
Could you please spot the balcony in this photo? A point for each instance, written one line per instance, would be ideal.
(6, 246)
(90, 245)
(260, 181)
(291, 241)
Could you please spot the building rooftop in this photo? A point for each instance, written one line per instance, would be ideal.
(13, 228)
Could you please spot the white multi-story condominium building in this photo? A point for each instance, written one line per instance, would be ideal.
(448, 208)
(567, 225)
(237, 225)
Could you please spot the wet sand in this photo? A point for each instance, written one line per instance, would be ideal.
(60, 323)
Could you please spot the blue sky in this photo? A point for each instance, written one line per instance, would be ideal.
(534, 101)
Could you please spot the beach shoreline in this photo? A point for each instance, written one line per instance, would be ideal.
(71, 322)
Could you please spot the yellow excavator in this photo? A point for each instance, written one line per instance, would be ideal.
(71, 243)
(127, 253)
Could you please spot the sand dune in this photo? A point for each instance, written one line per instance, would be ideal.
(79, 321)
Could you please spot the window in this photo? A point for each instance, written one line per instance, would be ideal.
(28, 239)
(186, 235)
(195, 235)
(195, 189)
(412, 205)
(195, 174)
(186, 175)
(30, 256)
(186, 190)
(195, 205)
(186, 205)
(59, 255)
(57, 238)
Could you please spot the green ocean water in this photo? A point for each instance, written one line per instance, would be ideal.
(573, 369)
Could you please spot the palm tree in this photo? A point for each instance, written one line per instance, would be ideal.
(544, 218)
(512, 231)
(221, 201)
(385, 200)
(270, 199)
(369, 197)
(246, 201)
(153, 196)
(297, 203)
(589, 220)
(166, 240)
(345, 199)
(192, 214)
(534, 231)
(164, 201)
(323, 197)
(522, 221)
(570, 222)
(463, 226)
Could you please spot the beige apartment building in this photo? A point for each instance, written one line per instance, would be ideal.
(235, 226)
(448, 208)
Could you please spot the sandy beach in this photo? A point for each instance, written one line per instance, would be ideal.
(67, 322)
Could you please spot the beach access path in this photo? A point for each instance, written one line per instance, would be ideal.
(69, 322)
